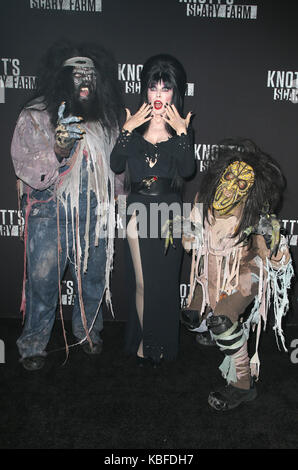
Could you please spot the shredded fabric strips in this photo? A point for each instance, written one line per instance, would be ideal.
(97, 147)
(274, 280)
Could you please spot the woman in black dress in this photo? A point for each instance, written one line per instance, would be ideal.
(155, 148)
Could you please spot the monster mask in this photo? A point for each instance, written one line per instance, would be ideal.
(84, 77)
(233, 186)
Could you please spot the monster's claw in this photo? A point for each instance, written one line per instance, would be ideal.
(61, 110)
(249, 230)
(70, 120)
(275, 237)
(167, 241)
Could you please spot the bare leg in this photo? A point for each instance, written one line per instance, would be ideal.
(232, 307)
(133, 241)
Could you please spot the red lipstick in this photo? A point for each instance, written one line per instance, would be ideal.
(157, 104)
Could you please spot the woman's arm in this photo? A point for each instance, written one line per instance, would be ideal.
(121, 151)
(184, 154)
(182, 144)
(125, 140)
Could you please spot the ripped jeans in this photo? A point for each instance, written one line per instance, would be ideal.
(42, 283)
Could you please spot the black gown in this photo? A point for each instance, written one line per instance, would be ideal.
(161, 272)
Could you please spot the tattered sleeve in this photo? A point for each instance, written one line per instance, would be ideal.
(280, 259)
(32, 150)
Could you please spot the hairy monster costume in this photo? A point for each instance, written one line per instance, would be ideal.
(61, 150)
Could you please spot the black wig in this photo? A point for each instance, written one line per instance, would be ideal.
(55, 84)
(265, 195)
(166, 68)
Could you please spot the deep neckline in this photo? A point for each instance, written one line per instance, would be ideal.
(157, 143)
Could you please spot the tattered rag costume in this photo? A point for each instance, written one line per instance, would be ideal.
(69, 218)
(239, 258)
(153, 276)
(230, 277)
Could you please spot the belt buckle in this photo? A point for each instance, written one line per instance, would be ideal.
(148, 181)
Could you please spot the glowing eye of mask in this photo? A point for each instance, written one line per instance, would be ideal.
(233, 186)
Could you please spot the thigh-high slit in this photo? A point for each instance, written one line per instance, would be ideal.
(153, 288)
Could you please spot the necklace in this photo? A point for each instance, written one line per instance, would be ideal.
(151, 160)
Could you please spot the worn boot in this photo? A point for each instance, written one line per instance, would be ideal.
(229, 397)
(33, 363)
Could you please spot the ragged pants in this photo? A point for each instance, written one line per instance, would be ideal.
(42, 279)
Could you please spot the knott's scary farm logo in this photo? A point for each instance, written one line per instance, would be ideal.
(184, 293)
(10, 77)
(129, 74)
(224, 9)
(204, 153)
(291, 228)
(90, 6)
(284, 84)
(67, 292)
(11, 223)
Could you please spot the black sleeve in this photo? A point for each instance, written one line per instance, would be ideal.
(183, 152)
(122, 149)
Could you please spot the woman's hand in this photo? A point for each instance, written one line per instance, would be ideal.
(142, 115)
(173, 118)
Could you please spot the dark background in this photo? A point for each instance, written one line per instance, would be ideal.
(227, 60)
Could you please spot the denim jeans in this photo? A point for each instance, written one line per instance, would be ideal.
(42, 277)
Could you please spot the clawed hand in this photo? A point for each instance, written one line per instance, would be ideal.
(269, 227)
(67, 132)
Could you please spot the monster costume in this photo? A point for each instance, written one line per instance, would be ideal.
(239, 258)
(67, 196)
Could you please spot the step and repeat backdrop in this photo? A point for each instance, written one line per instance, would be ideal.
(242, 73)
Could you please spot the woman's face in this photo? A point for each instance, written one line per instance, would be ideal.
(158, 95)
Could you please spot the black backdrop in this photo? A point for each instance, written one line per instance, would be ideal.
(241, 63)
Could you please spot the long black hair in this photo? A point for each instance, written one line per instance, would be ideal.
(55, 84)
(166, 68)
(265, 195)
